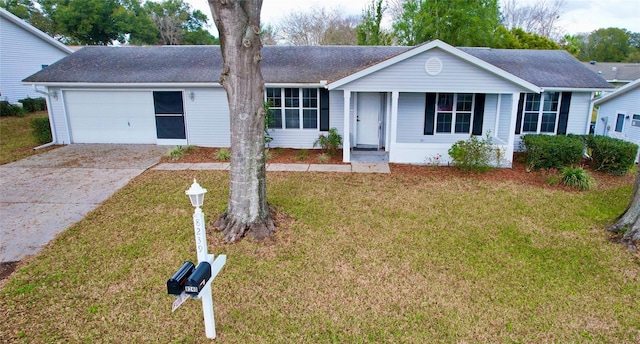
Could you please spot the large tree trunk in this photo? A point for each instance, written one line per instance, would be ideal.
(247, 212)
(629, 222)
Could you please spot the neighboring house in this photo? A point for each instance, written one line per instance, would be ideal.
(24, 50)
(616, 73)
(410, 102)
(619, 113)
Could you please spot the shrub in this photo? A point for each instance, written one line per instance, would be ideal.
(552, 151)
(611, 155)
(268, 154)
(33, 104)
(223, 154)
(324, 158)
(576, 177)
(41, 130)
(329, 143)
(302, 155)
(178, 152)
(473, 155)
(7, 109)
(434, 160)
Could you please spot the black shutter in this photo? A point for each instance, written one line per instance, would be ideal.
(478, 114)
(324, 109)
(565, 103)
(519, 117)
(429, 113)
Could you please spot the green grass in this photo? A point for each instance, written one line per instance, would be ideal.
(358, 258)
(16, 141)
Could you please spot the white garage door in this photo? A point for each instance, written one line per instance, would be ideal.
(111, 116)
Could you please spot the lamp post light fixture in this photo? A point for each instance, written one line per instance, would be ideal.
(196, 195)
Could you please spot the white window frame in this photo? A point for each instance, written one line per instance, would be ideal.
(540, 112)
(454, 114)
(300, 108)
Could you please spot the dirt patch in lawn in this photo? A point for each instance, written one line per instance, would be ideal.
(6, 269)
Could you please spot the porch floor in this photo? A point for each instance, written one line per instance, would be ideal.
(369, 156)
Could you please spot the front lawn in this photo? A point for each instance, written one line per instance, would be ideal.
(401, 258)
(16, 141)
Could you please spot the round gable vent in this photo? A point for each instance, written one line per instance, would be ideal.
(433, 66)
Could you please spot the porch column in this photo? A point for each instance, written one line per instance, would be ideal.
(346, 140)
(515, 97)
(497, 124)
(394, 118)
(593, 94)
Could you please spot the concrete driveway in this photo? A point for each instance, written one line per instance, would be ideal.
(44, 194)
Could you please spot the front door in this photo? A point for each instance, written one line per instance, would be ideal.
(368, 120)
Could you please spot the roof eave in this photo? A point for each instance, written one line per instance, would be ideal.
(618, 92)
(122, 84)
(576, 89)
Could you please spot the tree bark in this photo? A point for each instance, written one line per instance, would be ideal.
(247, 212)
(629, 221)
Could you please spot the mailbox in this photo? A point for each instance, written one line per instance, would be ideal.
(175, 284)
(199, 277)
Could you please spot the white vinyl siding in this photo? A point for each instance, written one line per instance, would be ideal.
(336, 111)
(579, 113)
(207, 117)
(628, 104)
(56, 107)
(457, 76)
(22, 54)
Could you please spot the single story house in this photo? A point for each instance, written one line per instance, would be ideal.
(619, 113)
(410, 102)
(24, 50)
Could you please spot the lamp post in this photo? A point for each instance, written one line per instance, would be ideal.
(196, 195)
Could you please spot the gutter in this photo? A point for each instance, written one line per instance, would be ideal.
(51, 126)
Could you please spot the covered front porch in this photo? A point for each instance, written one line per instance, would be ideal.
(420, 127)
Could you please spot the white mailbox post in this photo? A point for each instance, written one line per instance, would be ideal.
(196, 195)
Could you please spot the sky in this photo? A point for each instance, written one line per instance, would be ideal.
(579, 16)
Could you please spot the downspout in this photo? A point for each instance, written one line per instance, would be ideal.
(51, 123)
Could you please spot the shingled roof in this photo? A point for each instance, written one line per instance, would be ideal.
(203, 64)
(615, 71)
(291, 64)
(544, 68)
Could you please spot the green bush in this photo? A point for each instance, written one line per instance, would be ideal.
(330, 143)
(178, 152)
(552, 151)
(7, 109)
(33, 104)
(473, 155)
(41, 130)
(576, 177)
(302, 155)
(611, 155)
(223, 154)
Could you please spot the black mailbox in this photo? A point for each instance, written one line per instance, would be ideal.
(199, 277)
(175, 284)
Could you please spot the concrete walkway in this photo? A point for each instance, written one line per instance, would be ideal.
(44, 194)
(357, 167)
